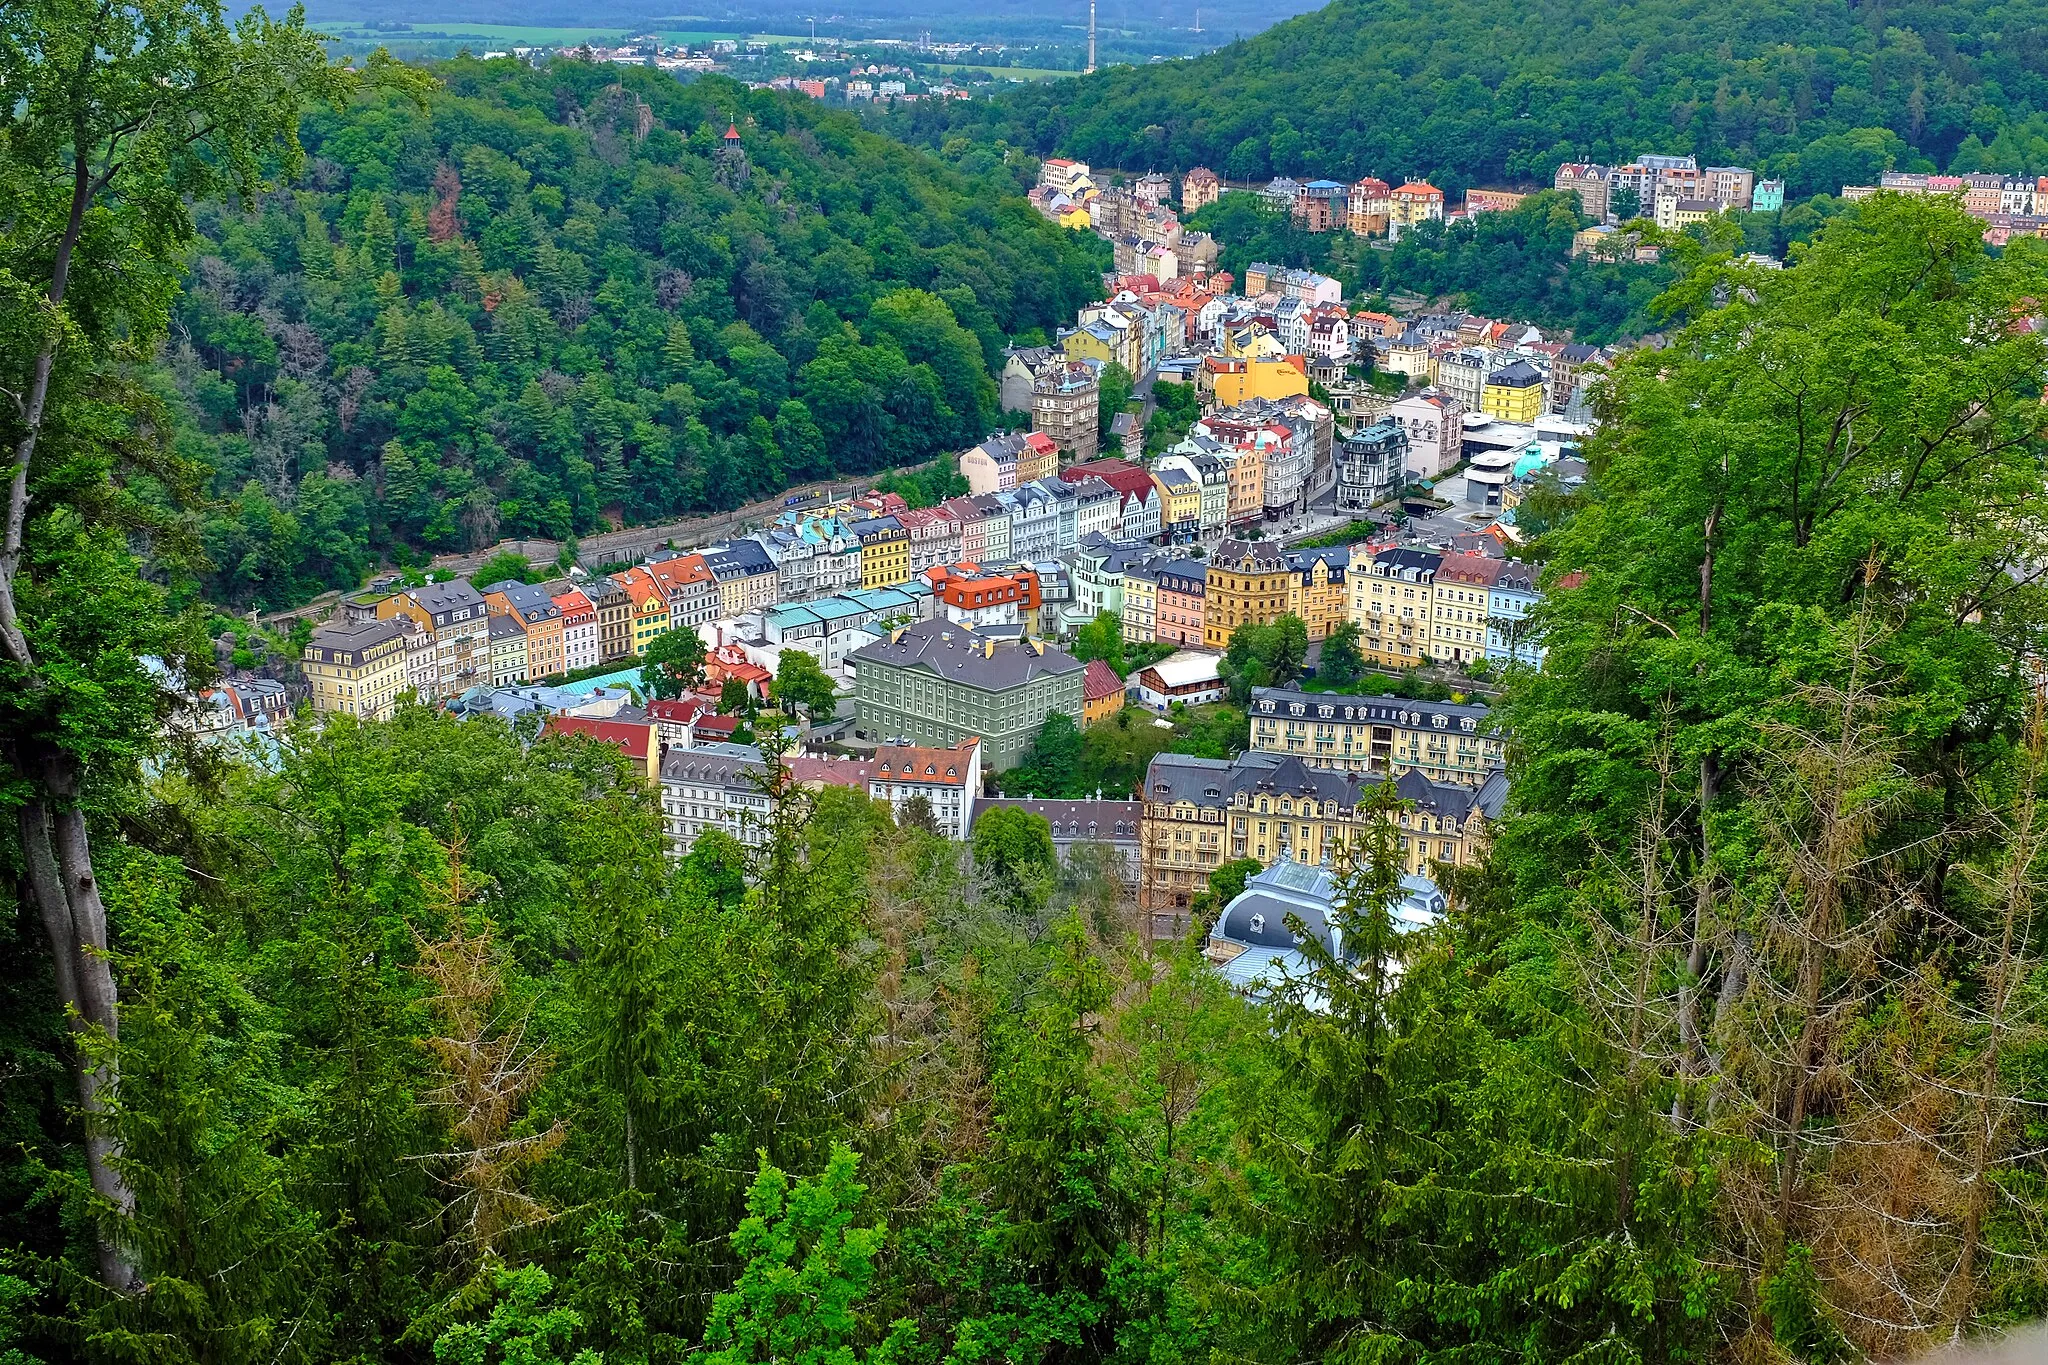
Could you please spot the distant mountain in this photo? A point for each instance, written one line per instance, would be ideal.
(1502, 91)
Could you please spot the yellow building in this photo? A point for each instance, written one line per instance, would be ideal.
(650, 607)
(1316, 589)
(356, 668)
(1202, 812)
(1392, 601)
(1076, 218)
(1247, 584)
(1141, 603)
(1444, 741)
(1514, 394)
(1180, 499)
(884, 552)
(1238, 381)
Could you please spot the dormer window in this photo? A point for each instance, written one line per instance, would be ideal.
(1439, 721)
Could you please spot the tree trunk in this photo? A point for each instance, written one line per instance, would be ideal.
(55, 845)
(74, 918)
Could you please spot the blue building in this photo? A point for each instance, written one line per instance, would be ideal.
(1509, 601)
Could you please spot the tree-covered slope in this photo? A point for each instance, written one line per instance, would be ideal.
(546, 302)
(1486, 91)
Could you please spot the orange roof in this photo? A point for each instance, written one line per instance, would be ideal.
(1099, 680)
(573, 603)
(640, 585)
(683, 570)
(912, 763)
(1422, 187)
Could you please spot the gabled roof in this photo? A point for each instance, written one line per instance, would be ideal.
(1099, 680)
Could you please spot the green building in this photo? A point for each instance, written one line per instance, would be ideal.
(937, 682)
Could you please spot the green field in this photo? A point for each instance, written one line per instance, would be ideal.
(1015, 73)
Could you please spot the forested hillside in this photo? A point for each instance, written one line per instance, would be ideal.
(549, 300)
(1731, 1049)
(1497, 91)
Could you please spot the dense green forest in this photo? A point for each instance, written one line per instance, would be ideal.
(408, 1041)
(1484, 92)
(1731, 1048)
(547, 301)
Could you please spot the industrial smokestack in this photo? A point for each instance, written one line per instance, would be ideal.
(1091, 36)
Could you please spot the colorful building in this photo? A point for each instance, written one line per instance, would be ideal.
(1247, 583)
(356, 668)
(1514, 394)
(650, 607)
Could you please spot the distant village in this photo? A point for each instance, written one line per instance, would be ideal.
(1300, 489)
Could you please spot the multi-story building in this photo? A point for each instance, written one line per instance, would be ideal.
(884, 551)
(508, 651)
(1729, 186)
(1369, 207)
(1198, 187)
(1063, 175)
(650, 607)
(615, 611)
(1435, 426)
(1099, 565)
(1178, 615)
(1514, 394)
(1315, 587)
(1065, 409)
(1415, 202)
(1462, 374)
(454, 614)
(1509, 600)
(1768, 197)
(1392, 600)
(533, 609)
(1570, 369)
(747, 578)
(938, 683)
(1180, 504)
(713, 786)
(1589, 183)
(949, 780)
(580, 644)
(1202, 812)
(1005, 460)
(1141, 601)
(1321, 205)
(1098, 510)
(1371, 466)
(934, 537)
(692, 591)
(995, 528)
(1444, 741)
(357, 667)
(1034, 521)
(1458, 607)
(987, 599)
(1199, 457)
(1247, 469)
(1247, 583)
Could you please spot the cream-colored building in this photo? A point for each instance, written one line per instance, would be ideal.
(1393, 600)
(357, 668)
(1444, 741)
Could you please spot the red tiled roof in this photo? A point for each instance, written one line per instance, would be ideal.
(631, 737)
(1099, 680)
(914, 763)
(676, 712)
(831, 772)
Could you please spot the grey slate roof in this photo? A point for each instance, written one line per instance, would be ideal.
(959, 654)
(1275, 701)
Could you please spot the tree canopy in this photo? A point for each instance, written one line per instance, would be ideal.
(550, 302)
(1465, 93)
